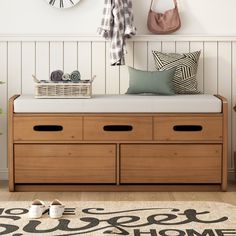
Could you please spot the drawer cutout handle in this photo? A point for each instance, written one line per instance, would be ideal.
(187, 128)
(48, 128)
(118, 128)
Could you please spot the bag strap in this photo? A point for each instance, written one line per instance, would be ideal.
(175, 2)
(151, 5)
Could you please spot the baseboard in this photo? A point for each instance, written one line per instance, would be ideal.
(4, 174)
(231, 174)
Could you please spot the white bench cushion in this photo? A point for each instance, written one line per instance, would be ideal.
(200, 103)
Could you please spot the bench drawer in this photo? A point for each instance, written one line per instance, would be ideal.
(47, 128)
(188, 128)
(84, 163)
(118, 128)
(170, 164)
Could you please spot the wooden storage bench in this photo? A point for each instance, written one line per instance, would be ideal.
(118, 143)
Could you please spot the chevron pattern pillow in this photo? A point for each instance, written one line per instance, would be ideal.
(186, 64)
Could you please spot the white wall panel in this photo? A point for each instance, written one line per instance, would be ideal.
(168, 47)
(14, 68)
(3, 76)
(99, 67)
(42, 60)
(124, 73)
(112, 74)
(153, 46)
(3, 105)
(70, 57)
(85, 59)
(28, 67)
(140, 56)
(233, 89)
(56, 56)
(182, 47)
(210, 67)
(198, 46)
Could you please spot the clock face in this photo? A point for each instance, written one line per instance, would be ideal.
(62, 3)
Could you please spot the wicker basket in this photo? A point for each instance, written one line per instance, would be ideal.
(63, 90)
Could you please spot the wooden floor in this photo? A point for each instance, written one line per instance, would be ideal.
(228, 197)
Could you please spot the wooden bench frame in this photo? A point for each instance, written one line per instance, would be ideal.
(13, 186)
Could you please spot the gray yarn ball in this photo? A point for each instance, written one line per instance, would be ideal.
(56, 76)
(75, 76)
(66, 77)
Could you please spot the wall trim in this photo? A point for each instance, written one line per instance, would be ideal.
(96, 38)
(3, 174)
(231, 175)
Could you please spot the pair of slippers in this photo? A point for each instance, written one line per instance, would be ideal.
(38, 208)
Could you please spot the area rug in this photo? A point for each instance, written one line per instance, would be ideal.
(123, 218)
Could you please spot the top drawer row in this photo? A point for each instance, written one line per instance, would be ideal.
(115, 128)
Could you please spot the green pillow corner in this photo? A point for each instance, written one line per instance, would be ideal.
(153, 82)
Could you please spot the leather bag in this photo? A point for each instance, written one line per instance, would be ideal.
(164, 23)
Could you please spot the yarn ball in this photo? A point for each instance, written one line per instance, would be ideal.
(66, 77)
(75, 76)
(56, 75)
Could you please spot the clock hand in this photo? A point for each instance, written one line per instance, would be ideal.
(72, 2)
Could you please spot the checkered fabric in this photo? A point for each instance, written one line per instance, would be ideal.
(117, 25)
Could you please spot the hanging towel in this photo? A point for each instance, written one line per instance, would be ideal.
(117, 25)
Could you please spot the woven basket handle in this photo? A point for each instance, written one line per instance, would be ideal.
(35, 79)
(93, 78)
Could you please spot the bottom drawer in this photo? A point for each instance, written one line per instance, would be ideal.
(65, 163)
(175, 163)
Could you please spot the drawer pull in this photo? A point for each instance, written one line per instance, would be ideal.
(118, 128)
(187, 128)
(48, 128)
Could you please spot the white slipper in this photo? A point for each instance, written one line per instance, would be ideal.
(37, 209)
(56, 209)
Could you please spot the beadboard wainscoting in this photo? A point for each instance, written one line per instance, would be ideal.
(22, 56)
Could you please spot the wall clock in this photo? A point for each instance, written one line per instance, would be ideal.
(62, 3)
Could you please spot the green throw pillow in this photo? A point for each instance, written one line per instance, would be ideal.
(157, 82)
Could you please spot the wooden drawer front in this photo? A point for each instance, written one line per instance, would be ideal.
(188, 128)
(175, 163)
(118, 128)
(83, 163)
(47, 128)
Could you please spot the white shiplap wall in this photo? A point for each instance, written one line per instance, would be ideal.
(22, 56)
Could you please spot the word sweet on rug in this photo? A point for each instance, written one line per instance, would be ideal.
(123, 218)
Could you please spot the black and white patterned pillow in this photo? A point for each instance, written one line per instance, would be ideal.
(186, 64)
